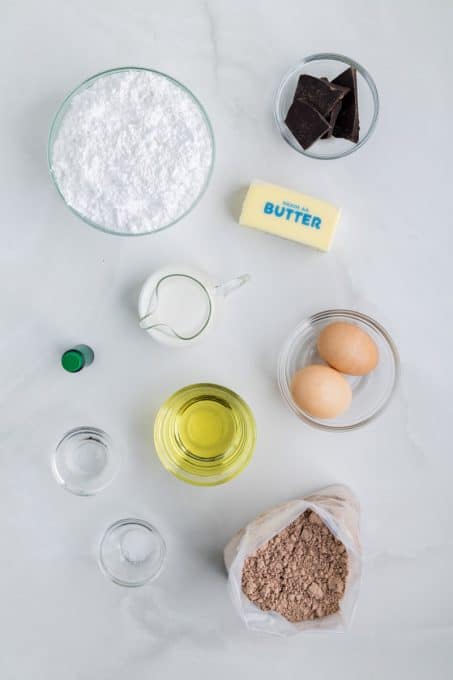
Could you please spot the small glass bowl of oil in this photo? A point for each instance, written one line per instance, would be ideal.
(205, 434)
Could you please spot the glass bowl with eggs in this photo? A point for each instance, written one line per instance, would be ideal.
(338, 370)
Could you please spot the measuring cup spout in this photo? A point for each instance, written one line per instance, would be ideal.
(227, 287)
(149, 321)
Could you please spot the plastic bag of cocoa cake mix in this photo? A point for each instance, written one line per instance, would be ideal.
(297, 567)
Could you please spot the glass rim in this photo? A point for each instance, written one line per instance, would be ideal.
(61, 111)
(286, 353)
(329, 56)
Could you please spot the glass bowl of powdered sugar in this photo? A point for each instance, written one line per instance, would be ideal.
(131, 151)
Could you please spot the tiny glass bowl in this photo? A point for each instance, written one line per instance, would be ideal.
(328, 66)
(370, 393)
(85, 461)
(58, 119)
(132, 552)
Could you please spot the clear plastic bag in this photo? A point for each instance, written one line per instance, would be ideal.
(339, 509)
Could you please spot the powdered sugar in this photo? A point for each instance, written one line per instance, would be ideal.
(133, 152)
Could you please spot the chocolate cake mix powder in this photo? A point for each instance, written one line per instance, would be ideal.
(300, 573)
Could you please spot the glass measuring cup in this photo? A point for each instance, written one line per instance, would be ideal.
(178, 304)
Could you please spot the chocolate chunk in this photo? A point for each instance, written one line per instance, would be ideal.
(306, 123)
(347, 122)
(319, 93)
(332, 117)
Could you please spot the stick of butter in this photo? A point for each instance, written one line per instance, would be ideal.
(290, 214)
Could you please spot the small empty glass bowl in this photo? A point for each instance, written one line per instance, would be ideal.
(370, 393)
(328, 66)
(132, 552)
(85, 461)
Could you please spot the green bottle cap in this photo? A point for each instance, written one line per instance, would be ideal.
(76, 358)
(73, 361)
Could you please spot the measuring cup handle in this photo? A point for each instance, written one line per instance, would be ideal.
(227, 287)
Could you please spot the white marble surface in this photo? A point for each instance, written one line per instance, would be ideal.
(62, 282)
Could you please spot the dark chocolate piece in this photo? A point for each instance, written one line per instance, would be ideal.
(347, 124)
(306, 123)
(332, 117)
(319, 93)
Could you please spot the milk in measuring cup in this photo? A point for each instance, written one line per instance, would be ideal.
(178, 304)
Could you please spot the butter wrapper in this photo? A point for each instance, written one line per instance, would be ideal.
(290, 214)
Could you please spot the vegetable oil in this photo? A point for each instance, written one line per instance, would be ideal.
(205, 434)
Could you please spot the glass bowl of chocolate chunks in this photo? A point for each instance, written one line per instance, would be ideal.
(326, 106)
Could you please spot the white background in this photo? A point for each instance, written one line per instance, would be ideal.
(62, 283)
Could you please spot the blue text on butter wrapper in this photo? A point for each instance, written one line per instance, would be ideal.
(293, 215)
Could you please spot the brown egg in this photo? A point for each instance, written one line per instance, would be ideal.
(348, 348)
(321, 391)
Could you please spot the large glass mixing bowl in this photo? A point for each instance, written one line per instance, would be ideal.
(59, 117)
